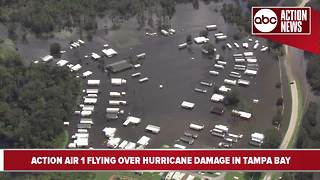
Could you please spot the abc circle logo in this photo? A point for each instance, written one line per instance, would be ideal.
(265, 20)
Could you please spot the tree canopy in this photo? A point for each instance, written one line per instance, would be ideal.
(34, 102)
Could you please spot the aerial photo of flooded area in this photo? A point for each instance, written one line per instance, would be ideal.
(150, 74)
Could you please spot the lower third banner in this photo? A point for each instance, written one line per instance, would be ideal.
(90, 160)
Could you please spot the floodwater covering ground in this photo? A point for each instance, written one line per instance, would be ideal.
(179, 71)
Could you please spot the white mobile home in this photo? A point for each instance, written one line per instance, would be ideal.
(183, 45)
(153, 129)
(92, 91)
(242, 114)
(229, 46)
(117, 103)
(250, 72)
(92, 82)
(86, 74)
(109, 132)
(117, 94)
(143, 80)
(144, 140)
(90, 100)
(76, 67)
(95, 56)
(123, 144)
(86, 113)
(245, 45)
(217, 98)
(243, 82)
(224, 89)
(211, 27)
(164, 32)
(222, 128)
(62, 62)
(196, 126)
(200, 40)
(109, 52)
(178, 146)
(131, 120)
(187, 105)
(224, 37)
(136, 74)
(218, 66)
(256, 45)
(216, 73)
(130, 145)
(230, 82)
(236, 45)
(141, 56)
(47, 58)
(247, 54)
(118, 81)
(264, 49)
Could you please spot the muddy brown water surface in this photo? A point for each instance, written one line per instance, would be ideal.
(179, 74)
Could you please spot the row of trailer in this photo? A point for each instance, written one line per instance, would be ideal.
(189, 137)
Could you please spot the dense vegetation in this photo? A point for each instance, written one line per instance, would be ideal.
(313, 73)
(48, 176)
(34, 102)
(46, 16)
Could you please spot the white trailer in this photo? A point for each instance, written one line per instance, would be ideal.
(141, 56)
(217, 97)
(117, 103)
(87, 74)
(118, 81)
(245, 45)
(218, 66)
(248, 54)
(76, 67)
(95, 56)
(123, 144)
(92, 82)
(153, 129)
(182, 46)
(224, 89)
(211, 27)
(109, 132)
(229, 46)
(131, 120)
(264, 49)
(243, 82)
(178, 146)
(250, 72)
(222, 62)
(130, 145)
(90, 100)
(236, 45)
(164, 32)
(187, 105)
(143, 79)
(222, 128)
(62, 62)
(200, 40)
(216, 73)
(136, 74)
(117, 94)
(230, 82)
(109, 52)
(224, 37)
(47, 58)
(144, 140)
(92, 91)
(196, 126)
(256, 45)
(86, 113)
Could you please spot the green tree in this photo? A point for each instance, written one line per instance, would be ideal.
(55, 49)
(272, 139)
(209, 47)
(204, 33)
(189, 39)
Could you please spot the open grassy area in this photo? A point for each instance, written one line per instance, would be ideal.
(230, 175)
(62, 140)
(127, 175)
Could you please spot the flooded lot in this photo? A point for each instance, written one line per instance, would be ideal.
(179, 71)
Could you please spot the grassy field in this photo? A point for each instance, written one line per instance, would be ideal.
(127, 176)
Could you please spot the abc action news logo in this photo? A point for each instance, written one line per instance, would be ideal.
(281, 20)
